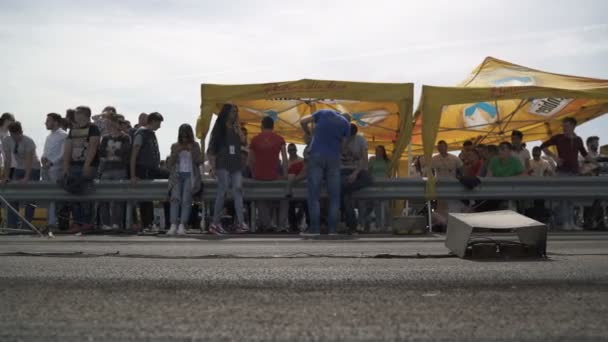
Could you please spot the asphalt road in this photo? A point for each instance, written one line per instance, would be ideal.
(284, 288)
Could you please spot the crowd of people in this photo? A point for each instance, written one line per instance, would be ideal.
(81, 147)
(512, 159)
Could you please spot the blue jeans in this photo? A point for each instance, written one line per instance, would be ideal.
(181, 198)
(82, 212)
(564, 215)
(113, 213)
(320, 168)
(224, 178)
(13, 219)
(363, 180)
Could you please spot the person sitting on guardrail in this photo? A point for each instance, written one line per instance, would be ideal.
(185, 178)
(569, 146)
(446, 165)
(145, 164)
(264, 151)
(593, 165)
(331, 129)
(52, 161)
(114, 151)
(81, 160)
(505, 165)
(23, 149)
(355, 176)
(224, 153)
(379, 168)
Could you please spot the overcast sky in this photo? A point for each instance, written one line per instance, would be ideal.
(144, 56)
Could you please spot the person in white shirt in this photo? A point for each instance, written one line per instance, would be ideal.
(539, 167)
(52, 160)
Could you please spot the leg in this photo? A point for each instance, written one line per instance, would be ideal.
(30, 208)
(264, 216)
(332, 172)
(315, 176)
(104, 207)
(186, 199)
(237, 194)
(118, 208)
(176, 195)
(222, 187)
(13, 219)
(283, 207)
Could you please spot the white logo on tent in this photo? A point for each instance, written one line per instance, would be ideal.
(548, 106)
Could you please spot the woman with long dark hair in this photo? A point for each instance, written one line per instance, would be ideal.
(224, 152)
(185, 178)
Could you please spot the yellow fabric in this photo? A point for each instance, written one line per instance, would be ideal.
(382, 111)
(500, 97)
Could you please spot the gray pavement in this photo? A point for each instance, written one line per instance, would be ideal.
(283, 288)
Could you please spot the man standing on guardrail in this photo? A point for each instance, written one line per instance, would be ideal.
(568, 145)
(145, 163)
(81, 160)
(331, 128)
(52, 160)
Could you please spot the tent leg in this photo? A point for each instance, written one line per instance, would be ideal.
(430, 215)
(16, 212)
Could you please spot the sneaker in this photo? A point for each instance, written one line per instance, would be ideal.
(181, 230)
(352, 232)
(242, 228)
(309, 235)
(281, 230)
(106, 228)
(574, 227)
(115, 227)
(217, 229)
(333, 234)
(172, 230)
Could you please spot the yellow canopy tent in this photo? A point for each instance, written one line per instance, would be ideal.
(382, 111)
(500, 97)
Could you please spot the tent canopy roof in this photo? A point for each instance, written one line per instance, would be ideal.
(382, 111)
(499, 97)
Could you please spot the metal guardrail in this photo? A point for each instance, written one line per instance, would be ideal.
(576, 188)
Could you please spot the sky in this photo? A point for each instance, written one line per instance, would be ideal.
(145, 56)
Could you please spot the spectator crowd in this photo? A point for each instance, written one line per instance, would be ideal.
(81, 147)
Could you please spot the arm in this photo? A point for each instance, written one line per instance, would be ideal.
(305, 123)
(581, 149)
(7, 161)
(91, 152)
(284, 158)
(29, 160)
(67, 155)
(134, 154)
(174, 155)
(545, 148)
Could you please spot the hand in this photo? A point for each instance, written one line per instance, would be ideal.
(559, 161)
(4, 180)
(86, 171)
(352, 177)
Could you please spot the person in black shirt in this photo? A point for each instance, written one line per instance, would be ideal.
(114, 151)
(224, 152)
(80, 160)
(145, 162)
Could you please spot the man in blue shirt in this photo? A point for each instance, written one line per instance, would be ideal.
(330, 129)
